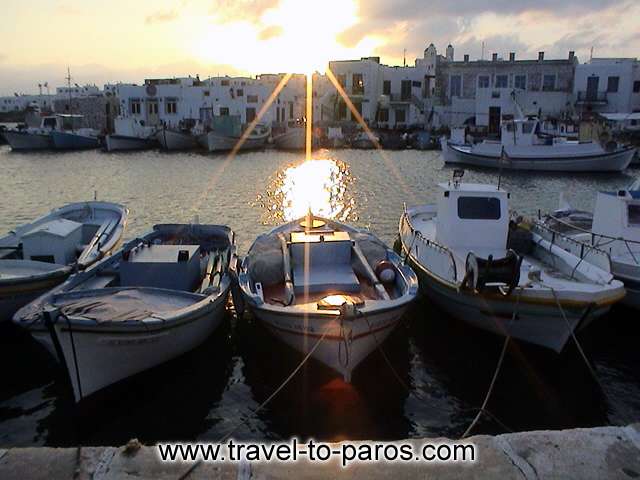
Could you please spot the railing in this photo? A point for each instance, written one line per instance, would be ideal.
(592, 97)
(416, 235)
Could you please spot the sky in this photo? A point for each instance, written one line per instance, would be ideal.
(129, 40)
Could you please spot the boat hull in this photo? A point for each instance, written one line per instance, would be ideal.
(176, 141)
(344, 347)
(14, 297)
(73, 141)
(115, 143)
(292, 140)
(214, 142)
(538, 323)
(25, 141)
(98, 357)
(605, 162)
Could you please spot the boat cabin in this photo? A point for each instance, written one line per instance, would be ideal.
(617, 214)
(55, 241)
(520, 132)
(472, 217)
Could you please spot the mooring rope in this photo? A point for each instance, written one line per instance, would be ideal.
(263, 404)
(483, 408)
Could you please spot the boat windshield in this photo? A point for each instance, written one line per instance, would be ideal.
(633, 215)
(479, 208)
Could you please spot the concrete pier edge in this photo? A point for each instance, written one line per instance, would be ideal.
(584, 453)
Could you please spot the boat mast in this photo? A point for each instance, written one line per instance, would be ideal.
(68, 78)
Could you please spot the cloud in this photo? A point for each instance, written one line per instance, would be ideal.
(270, 32)
(161, 17)
(242, 10)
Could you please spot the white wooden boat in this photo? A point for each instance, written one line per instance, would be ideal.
(158, 297)
(474, 264)
(614, 227)
(294, 139)
(520, 148)
(35, 137)
(130, 134)
(36, 257)
(349, 294)
(176, 139)
(214, 141)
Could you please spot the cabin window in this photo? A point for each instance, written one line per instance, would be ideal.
(49, 122)
(612, 84)
(483, 81)
(502, 81)
(136, 107)
(633, 214)
(252, 99)
(479, 208)
(548, 83)
(455, 86)
(520, 82)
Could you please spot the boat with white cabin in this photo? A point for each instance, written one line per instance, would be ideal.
(37, 256)
(160, 296)
(521, 148)
(226, 133)
(33, 137)
(613, 227)
(130, 134)
(505, 278)
(72, 136)
(327, 289)
(177, 139)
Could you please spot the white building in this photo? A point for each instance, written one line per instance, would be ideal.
(19, 103)
(608, 85)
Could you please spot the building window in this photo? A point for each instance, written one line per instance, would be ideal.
(520, 82)
(224, 111)
(251, 114)
(455, 85)
(206, 93)
(383, 115)
(502, 81)
(252, 99)
(483, 81)
(386, 87)
(358, 108)
(290, 110)
(548, 83)
(224, 83)
(342, 110)
(405, 90)
(136, 107)
(240, 92)
(171, 107)
(357, 87)
(342, 80)
(152, 108)
(612, 84)
(417, 84)
(636, 86)
(401, 116)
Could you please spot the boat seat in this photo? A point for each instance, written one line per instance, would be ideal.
(324, 278)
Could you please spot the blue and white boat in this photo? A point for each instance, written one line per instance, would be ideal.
(71, 136)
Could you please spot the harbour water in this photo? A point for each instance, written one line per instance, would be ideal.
(435, 370)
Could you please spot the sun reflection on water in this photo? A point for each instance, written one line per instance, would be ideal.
(323, 185)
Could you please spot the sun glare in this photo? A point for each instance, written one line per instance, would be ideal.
(291, 37)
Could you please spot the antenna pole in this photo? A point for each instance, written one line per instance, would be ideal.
(70, 100)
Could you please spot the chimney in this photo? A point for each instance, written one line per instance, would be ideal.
(494, 57)
(540, 56)
(466, 58)
(572, 55)
(512, 56)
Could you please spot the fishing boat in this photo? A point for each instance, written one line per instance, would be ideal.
(37, 256)
(131, 134)
(158, 297)
(613, 227)
(214, 141)
(176, 139)
(363, 141)
(327, 289)
(292, 139)
(423, 140)
(503, 277)
(33, 137)
(72, 136)
(520, 148)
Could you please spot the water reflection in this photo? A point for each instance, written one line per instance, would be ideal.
(322, 185)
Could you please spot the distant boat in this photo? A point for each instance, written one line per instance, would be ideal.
(174, 139)
(34, 138)
(226, 135)
(158, 297)
(520, 148)
(130, 134)
(363, 141)
(78, 140)
(293, 139)
(38, 256)
(393, 140)
(423, 140)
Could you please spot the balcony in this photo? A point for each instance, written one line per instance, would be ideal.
(592, 98)
(400, 98)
